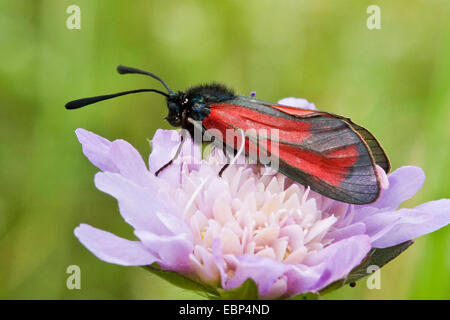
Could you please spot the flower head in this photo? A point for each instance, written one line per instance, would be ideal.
(250, 223)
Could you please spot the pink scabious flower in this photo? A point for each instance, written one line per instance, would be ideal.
(252, 226)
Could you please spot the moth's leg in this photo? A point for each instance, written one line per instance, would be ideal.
(223, 169)
(198, 127)
(176, 155)
(224, 149)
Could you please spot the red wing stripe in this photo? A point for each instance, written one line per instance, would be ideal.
(314, 148)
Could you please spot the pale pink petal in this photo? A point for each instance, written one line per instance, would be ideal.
(96, 149)
(298, 103)
(130, 164)
(264, 271)
(301, 278)
(138, 205)
(339, 259)
(384, 180)
(173, 250)
(164, 147)
(110, 248)
(407, 224)
(403, 184)
(346, 232)
(165, 144)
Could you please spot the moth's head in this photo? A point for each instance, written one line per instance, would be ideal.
(176, 103)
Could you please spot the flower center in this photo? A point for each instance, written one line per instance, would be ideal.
(251, 213)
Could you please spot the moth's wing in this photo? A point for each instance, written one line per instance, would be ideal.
(378, 153)
(374, 145)
(317, 150)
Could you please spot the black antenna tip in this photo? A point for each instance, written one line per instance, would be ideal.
(79, 103)
(122, 69)
(73, 105)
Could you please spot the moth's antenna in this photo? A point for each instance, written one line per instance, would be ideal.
(75, 104)
(124, 70)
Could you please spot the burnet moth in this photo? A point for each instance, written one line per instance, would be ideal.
(334, 156)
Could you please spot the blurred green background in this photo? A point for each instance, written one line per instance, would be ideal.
(394, 81)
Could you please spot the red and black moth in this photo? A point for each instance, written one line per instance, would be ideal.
(325, 151)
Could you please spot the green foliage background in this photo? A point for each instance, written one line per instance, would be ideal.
(395, 81)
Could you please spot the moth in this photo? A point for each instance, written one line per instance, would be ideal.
(327, 152)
